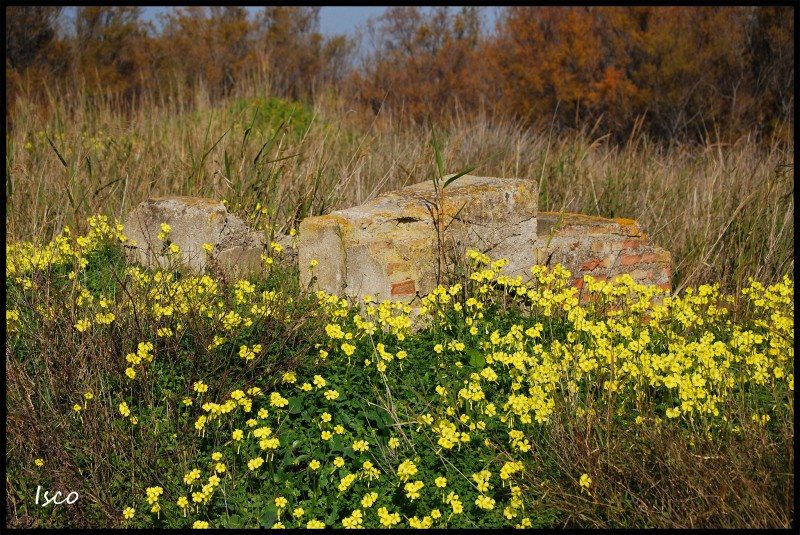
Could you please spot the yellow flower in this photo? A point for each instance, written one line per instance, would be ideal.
(183, 502)
(326, 435)
(276, 400)
(200, 524)
(331, 395)
(412, 489)
(199, 386)
(38, 462)
(338, 462)
(319, 381)
(585, 483)
(441, 482)
(314, 464)
(485, 502)
(394, 442)
(388, 519)
(130, 373)
(88, 395)
(406, 469)
(165, 228)
(191, 477)
(346, 481)
(83, 325)
(124, 410)
(280, 502)
(315, 524)
(128, 512)
(76, 408)
(289, 377)
(360, 445)
(369, 499)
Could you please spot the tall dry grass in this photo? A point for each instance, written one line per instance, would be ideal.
(726, 212)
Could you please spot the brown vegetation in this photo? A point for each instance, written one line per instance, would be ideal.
(678, 73)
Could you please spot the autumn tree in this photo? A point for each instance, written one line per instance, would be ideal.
(298, 57)
(34, 51)
(211, 47)
(424, 64)
(110, 50)
(689, 72)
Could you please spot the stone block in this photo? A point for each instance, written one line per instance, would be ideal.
(389, 247)
(193, 222)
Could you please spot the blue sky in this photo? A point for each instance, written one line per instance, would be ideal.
(343, 19)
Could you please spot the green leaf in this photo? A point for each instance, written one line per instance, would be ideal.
(333, 516)
(268, 517)
(476, 358)
(295, 405)
(235, 521)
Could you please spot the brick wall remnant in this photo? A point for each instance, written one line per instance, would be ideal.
(601, 247)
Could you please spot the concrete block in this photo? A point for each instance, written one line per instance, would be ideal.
(389, 246)
(193, 222)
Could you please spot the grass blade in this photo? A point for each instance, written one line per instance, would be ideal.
(458, 175)
(61, 158)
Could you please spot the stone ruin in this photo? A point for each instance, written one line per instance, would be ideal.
(236, 248)
(392, 246)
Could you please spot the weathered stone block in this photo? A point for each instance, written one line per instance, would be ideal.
(389, 247)
(193, 222)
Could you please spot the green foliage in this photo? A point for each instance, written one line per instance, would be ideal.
(266, 116)
(498, 403)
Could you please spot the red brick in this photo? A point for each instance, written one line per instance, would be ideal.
(578, 283)
(629, 260)
(406, 287)
(665, 286)
(632, 244)
(649, 257)
(592, 264)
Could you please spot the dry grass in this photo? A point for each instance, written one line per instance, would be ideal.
(726, 212)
